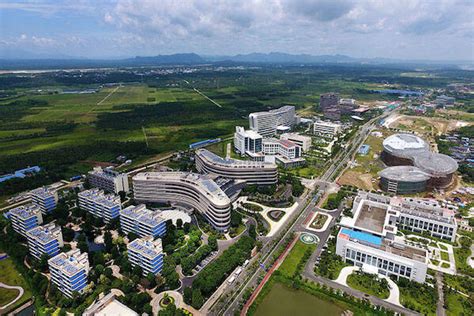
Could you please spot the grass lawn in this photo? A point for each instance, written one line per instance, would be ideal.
(443, 247)
(457, 304)
(7, 295)
(319, 221)
(290, 264)
(418, 297)
(444, 256)
(9, 275)
(435, 262)
(252, 207)
(445, 265)
(369, 283)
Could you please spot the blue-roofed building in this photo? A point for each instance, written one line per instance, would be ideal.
(47, 199)
(147, 254)
(69, 271)
(22, 173)
(203, 143)
(46, 239)
(99, 204)
(25, 217)
(142, 221)
(364, 150)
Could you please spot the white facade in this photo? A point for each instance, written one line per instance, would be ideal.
(326, 129)
(69, 271)
(46, 239)
(109, 180)
(303, 141)
(25, 217)
(266, 123)
(285, 148)
(47, 199)
(247, 141)
(188, 189)
(99, 204)
(147, 254)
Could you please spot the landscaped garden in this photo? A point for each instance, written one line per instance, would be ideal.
(319, 221)
(369, 283)
(418, 297)
(10, 276)
(276, 215)
(330, 264)
(252, 207)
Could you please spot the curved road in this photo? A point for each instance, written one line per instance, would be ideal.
(12, 287)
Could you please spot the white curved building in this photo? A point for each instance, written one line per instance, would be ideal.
(188, 189)
(252, 172)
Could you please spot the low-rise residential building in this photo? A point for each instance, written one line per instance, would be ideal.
(147, 254)
(69, 271)
(142, 221)
(47, 199)
(46, 239)
(109, 180)
(326, 129)
(99, 204)
(25, 217)
(303, 141)
(247, 141)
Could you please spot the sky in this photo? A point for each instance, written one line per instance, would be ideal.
(402, 29)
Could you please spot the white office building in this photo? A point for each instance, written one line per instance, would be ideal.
(99, 204)
(46, 239)
(247, 141)
(109, 180)
(326, 129)
(25, 217)
(147, 254)
(69, 271)
(300, 140)
(190, 190)
(142, 221)
(47, 199)
(267, 123)
(285, 148)
(370, 236)
(252, 172)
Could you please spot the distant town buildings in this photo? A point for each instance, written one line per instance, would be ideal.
(25, 217)
(267, 123)
(326, 129)
(142, 221)
(445, 101)
(147, 254)
(69, 271)
(247, 141)
(99, 204)
(108, 180)
(333, 107)
(188, 189)
(46, 199)
(46, 239)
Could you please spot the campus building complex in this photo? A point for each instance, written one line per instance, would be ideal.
(142, 221)
(428, 169)
(45, 198)
(252, 172)
(300, 140)
(104, 206)
(147, 254)
(326, 129)
(267, 123)
(187, 189)
(285, 152)
(25, 217)
(247, 141)
(108, 180)
(368, 240)
(46, 239)
(69, 271)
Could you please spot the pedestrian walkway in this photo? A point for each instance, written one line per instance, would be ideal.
(12, 287)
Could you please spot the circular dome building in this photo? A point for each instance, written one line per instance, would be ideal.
(418, 167)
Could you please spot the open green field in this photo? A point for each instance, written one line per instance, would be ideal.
(10, 276)
(290, 264)
(7, 295)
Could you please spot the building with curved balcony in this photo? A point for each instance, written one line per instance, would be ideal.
(422, 166)
(187, 189)
(252, 172)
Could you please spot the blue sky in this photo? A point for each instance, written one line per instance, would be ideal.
(407, 29)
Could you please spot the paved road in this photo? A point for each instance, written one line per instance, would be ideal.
(440, 311)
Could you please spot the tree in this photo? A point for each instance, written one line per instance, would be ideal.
(187, 227)
(235, 219)
(252, 232)
(137, 270)
(122, 195)
(197, 300)
(108, 241)
(179, 223)
(43, 262)
(212, 241)
(188, 295)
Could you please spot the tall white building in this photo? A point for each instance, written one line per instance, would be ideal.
(303, 141)
(69, 271)
(247, 141)
(99, 204)
(142, 221)
(188, 189)
(326, 129)
(147, 254)
(266, 123)
(46, 239)
(25, 217)
(47, 199)
(109, 180)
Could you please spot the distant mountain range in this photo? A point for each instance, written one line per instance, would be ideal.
(10, 59)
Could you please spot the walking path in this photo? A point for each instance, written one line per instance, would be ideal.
(178, 301)
(11, 287)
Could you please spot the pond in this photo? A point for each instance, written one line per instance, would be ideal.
(284, 301)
